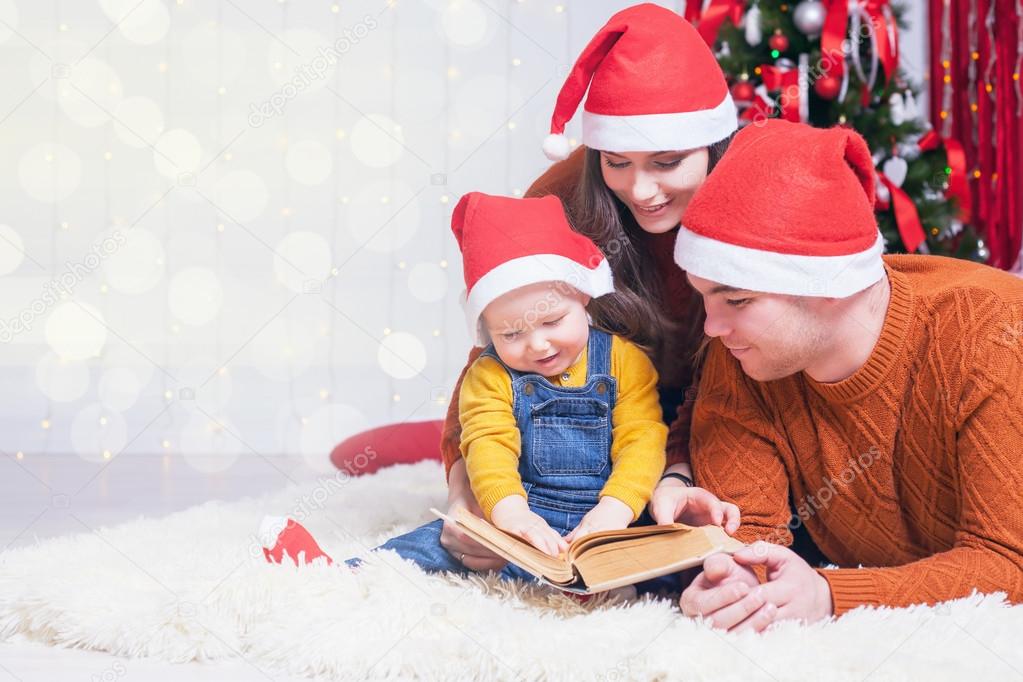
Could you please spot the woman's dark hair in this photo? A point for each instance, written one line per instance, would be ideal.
(636, 309)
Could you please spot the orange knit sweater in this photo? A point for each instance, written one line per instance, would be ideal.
(912, 467)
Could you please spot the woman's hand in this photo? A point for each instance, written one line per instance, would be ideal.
(512, 514)
(609, 514)
(674, 501)
(470, 553)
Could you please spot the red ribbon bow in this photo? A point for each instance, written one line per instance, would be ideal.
(836, 29)
(787, 80)
(715, 15)
(906, 218)
(958, 183)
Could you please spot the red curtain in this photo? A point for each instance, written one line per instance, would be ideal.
(976, 99)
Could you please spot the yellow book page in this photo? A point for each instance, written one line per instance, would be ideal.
(515, 550)
(607, 566)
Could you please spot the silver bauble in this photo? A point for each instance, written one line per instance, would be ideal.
(809, 17)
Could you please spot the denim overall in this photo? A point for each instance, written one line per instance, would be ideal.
(565, 457)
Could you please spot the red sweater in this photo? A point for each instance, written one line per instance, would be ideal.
(674, 373)
(911, 467)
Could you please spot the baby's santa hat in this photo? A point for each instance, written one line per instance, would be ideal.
(654, 85)
(787, 210)
(509, 243)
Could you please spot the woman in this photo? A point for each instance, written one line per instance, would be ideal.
(657, 117)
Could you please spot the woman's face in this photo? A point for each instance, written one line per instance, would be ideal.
(656, 186)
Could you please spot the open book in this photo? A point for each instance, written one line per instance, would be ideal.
(602, 561)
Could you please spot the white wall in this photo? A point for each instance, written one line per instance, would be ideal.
(135, 122)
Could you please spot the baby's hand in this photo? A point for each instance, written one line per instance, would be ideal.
(609, 514)
(674, 501)
(513, 515)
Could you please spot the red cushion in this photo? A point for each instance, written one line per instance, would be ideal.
(383, 446)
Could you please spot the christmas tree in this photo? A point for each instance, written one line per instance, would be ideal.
(830, 64)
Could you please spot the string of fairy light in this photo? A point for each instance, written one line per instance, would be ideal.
(168, 435)
(168, 417)
(392, 176)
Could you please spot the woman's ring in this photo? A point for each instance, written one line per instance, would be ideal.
(461, 558)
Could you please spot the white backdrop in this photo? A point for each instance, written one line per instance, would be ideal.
(224, 226)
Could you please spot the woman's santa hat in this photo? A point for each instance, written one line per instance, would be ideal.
(654, 85)
(509, 243)
(787, 210)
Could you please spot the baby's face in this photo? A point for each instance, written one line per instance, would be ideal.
(541, 328)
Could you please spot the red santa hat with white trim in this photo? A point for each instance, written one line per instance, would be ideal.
(654, 85)
(510, 243)
(787, 210)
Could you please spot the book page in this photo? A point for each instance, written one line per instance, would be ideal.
(514, 549)
(629, 561)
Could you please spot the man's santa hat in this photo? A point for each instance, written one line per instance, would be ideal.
(509, 243)
(654, 85)
(787, 210)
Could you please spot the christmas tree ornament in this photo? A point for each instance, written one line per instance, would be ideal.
(895, 169)
(827, 87)
(912, 112)
(742, 90)
(809, 17)
(754, 33)
(897, 109)
(784, 78)
(804, 87)
(860, 25)
(779, 41)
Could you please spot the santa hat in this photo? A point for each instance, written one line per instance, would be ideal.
(510, 243)
(654, 85)
(787, 210)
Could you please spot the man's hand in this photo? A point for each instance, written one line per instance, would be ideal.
(513, 515)
(609, 514)
(674, 501)
(727, 593)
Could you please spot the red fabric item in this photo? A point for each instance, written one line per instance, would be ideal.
(835, 30)
(715, 15)
(402, 443)
(887, 36)
(958, 183)
(983, 70)
(787, 81)
(632, 66)
(293, 542)
(781, 159)
(492, 230)
(906, 217)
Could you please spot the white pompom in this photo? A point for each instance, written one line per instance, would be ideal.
(556, 147)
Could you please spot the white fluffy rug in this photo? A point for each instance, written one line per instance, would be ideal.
(194, 586)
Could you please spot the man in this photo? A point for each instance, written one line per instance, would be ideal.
(879, 397)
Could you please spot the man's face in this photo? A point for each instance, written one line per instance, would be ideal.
(771, 335)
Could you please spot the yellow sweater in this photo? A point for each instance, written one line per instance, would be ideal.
(491, 440)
